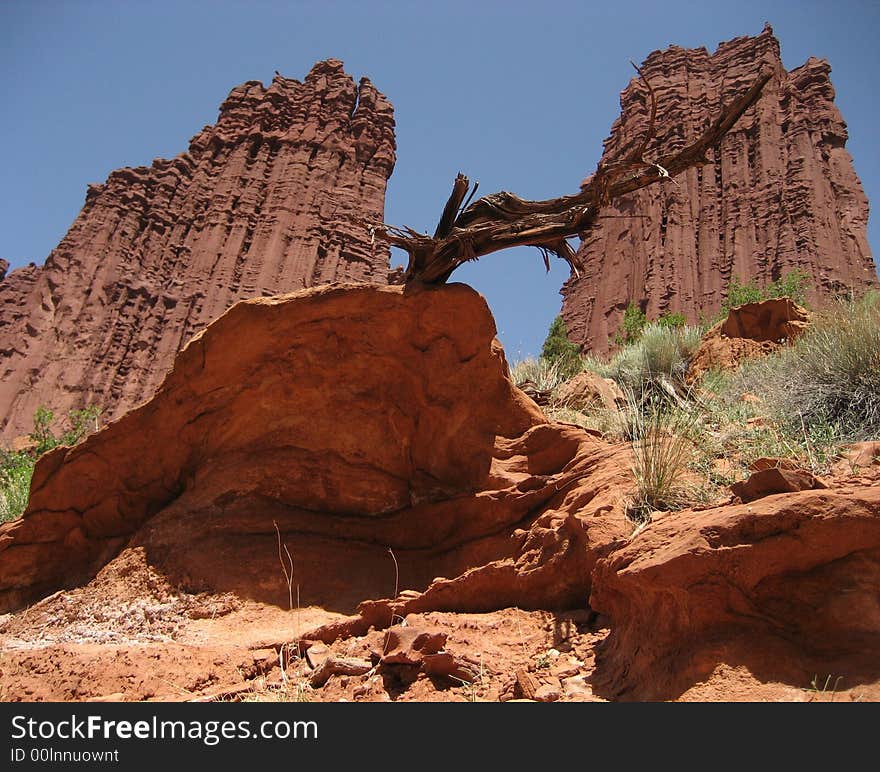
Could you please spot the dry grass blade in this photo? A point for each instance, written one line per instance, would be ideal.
(663, 435)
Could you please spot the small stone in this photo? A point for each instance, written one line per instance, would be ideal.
(338, 666)
(526, 685)
(547, 693)
(316, 654)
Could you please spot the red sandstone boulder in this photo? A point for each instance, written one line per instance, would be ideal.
(377, 427)
(772, 480)
(410, 645)
(862, 454)
(778, 320)
(588, 390)
(748, 331)
(787, 586)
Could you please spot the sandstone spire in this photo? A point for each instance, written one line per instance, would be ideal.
(269, 199)
(780, 194)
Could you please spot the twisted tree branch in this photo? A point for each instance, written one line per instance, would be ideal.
(501, 220)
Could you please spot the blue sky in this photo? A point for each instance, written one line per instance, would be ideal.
(518, 95)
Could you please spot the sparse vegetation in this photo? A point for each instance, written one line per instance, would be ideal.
(690, 444)
(793, 284)
(17, 466)
(544, 374)
(559, 352)
(660, 354)
(826, 386)
(635, 322)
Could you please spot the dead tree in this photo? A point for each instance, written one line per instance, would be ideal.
(501, 220)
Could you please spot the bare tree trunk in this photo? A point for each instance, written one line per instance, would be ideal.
(502, 219)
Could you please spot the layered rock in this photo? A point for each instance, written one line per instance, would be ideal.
(377, 427)
(778, 194)
(276, 196)
(786, 587)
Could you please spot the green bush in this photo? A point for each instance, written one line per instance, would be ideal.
(17, 467)
(793, 285)
(16, 470)
(673, 320)
(738, 294)
(634, 321)
(790, 285)
(661, 353)
(559, 351)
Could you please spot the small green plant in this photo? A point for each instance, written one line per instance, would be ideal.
(634, 321)
(81, 423)
(793, 285)
(17, 467)
(823, 691)
(560, 352)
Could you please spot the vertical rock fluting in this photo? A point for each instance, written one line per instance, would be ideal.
(272, 198)
(779, 194)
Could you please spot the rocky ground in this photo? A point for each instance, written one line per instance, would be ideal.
(383, 515)
(128, 635)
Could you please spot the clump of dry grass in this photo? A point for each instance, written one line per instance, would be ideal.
(663, 440)
(545, 374)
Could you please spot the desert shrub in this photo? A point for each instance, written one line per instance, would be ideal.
(16, 470)
(545, 374)
(661, 353)
(635, 321)
(826, 386)
(631, 326)
(559, 351)
(739, 293)
(793, 285)
(663, 439)
(17, 467)
(790, 285)
(674, 320)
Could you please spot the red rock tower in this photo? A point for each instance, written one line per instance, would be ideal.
(272, 198)
(780, 194)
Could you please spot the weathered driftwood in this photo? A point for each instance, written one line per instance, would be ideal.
(502, 220)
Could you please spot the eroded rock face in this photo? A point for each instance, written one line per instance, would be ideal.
(377, 427)
(787, 586)
(272, 198)
(372, 436)
(779, 194)
(748, 331)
